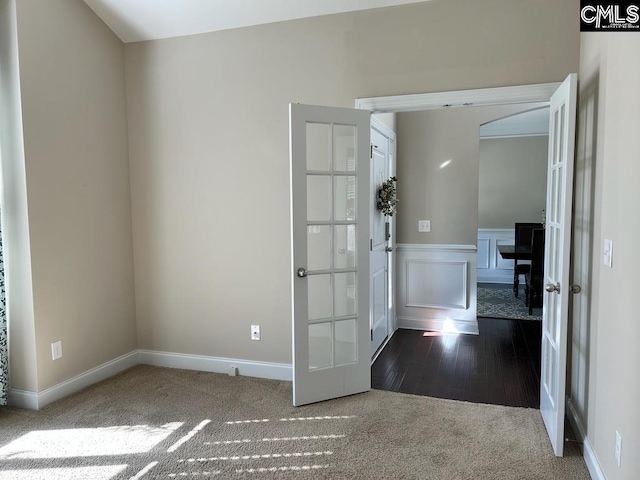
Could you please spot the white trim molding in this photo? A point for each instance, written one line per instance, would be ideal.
(38, 400)
(248, 368)
(437, 287)
(593, 465)
(479, 97)
(23, 399)
(383, 129)
(435, 247)
(492, 268)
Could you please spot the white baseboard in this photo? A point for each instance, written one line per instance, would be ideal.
(23, 399)
(486, 277)
(587, 452)
(38, 400)
(273, 371)
(438, 324)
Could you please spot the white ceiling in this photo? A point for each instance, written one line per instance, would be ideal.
(138, 20)
(532, 122)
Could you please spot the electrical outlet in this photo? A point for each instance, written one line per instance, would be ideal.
(56, 350)
(424, 226)
(255, 332)
(618, 447)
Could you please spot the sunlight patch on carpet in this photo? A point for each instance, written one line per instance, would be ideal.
(87, 442)
(71, 473)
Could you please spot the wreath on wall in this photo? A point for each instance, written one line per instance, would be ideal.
(386, 199)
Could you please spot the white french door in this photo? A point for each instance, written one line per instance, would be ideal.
(555, 315)
(330, 235)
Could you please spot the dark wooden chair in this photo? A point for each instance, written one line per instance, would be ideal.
(535, 276)
(522, 240)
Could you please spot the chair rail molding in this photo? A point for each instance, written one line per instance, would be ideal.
(437, 287)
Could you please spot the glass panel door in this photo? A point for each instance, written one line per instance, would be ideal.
(330, 184)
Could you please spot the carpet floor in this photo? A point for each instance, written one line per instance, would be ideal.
(157, 423)
(496, 300)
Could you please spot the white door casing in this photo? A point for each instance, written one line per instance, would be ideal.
(556, 283)
(330, 194)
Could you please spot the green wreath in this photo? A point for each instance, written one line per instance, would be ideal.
(386, 199)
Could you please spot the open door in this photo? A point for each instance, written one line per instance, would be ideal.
(555, 315)
(330, 236)
(379, 281)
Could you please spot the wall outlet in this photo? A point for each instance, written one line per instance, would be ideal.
(56, 350)
(255, 332)
(618, 447)
(424, 226)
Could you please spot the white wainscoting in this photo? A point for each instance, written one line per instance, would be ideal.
(492, 268)
(437, 287)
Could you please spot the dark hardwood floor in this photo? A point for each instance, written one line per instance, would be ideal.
(500, 366)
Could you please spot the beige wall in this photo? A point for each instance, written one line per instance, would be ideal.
(75, 143)
(438, 169)
(15, 221)
(208, 130)
(512, 181)
(607, 394)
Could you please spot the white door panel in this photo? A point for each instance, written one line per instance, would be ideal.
(378, 245)
(330, 239)
(557, 258)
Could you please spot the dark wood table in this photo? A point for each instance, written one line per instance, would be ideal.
(509, 252)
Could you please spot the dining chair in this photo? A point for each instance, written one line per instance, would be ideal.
(535, 277)
(522, 240)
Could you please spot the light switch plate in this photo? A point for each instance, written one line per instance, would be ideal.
(424, 226)
(608, 252)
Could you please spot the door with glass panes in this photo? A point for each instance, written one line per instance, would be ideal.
(330, 234)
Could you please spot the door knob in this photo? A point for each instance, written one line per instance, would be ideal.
(550, 287)
(576, 289)
(302, 272)
(388, 249)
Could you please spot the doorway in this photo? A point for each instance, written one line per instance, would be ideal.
(562, 100)
(512, 184)
(382, 236)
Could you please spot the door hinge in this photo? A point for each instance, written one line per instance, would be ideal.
(371, 244)
(372, 335)
(371, 152)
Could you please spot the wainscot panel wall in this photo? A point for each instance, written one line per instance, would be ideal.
(492, 268)
(436, 287)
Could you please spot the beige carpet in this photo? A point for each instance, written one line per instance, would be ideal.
(153, 423)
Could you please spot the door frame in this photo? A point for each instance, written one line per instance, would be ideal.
(534, 93)
(520, 94)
